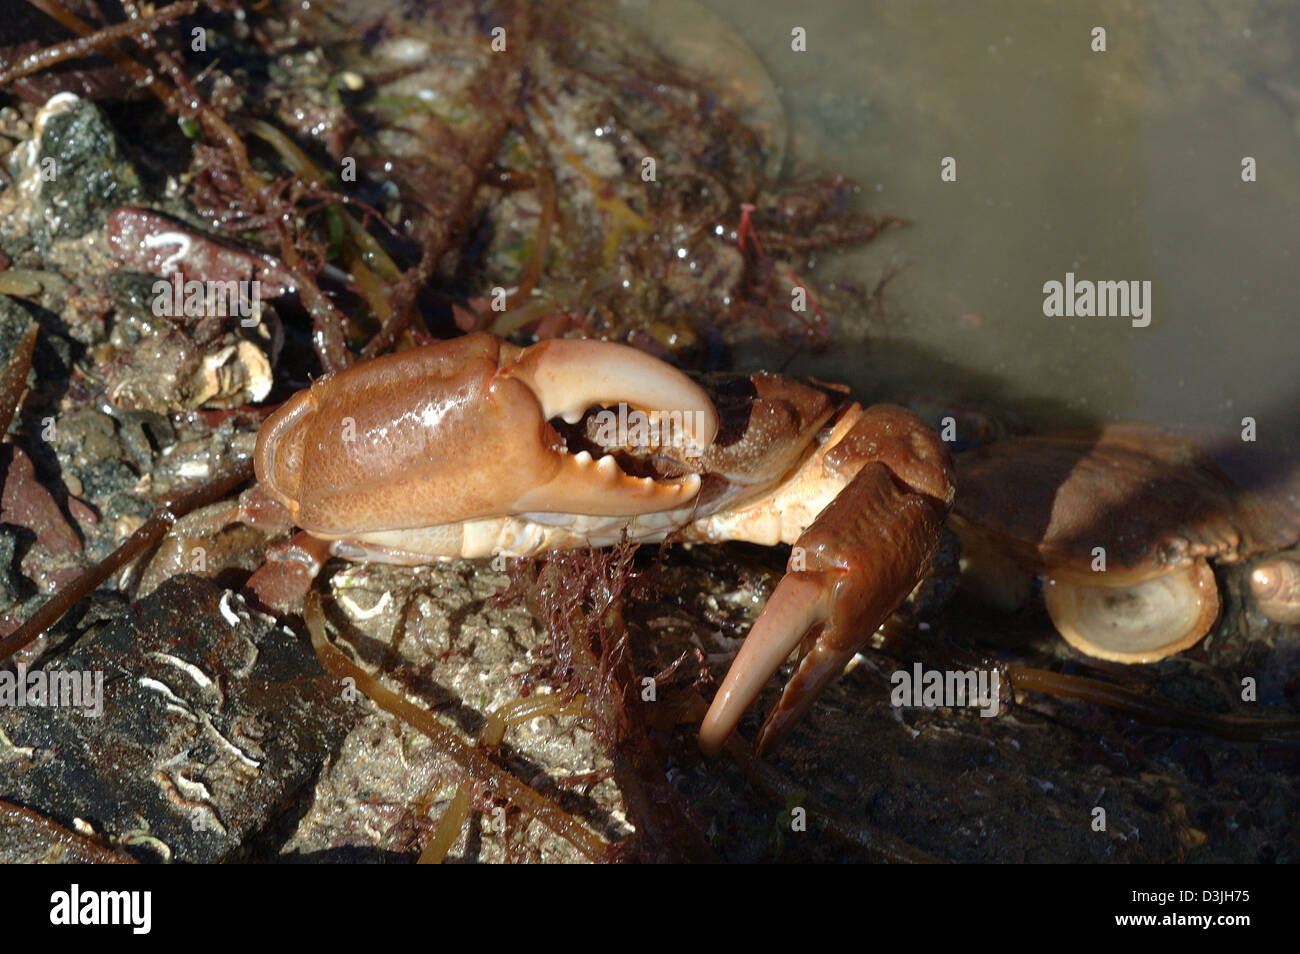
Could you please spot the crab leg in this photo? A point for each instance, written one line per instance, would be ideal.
(849, 570)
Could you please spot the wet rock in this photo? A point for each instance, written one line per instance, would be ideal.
(51, 360)
(170, 371)
(93, 464)
(25, 502)
(67, 178)
(87, 436)
(163, 246)
(14, 320)
(132, 296)
(208, 733)
(168, 352)
(195, 455)
(11, 584)
(27, 837)
(438, 635)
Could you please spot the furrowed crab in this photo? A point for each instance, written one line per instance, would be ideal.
(1122, 524)
(475, 447)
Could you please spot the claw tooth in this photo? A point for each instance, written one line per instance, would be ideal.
(603, 490)
(690, 485)
(583, 457)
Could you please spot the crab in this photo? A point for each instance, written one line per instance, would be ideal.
(475, 447)
(1122, 525)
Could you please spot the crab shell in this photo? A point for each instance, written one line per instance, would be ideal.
(432, 437)
(1122, 524)
(474, 447)
(453, 452)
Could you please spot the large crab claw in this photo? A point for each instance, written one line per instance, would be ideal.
(459, 430)
(848, 571)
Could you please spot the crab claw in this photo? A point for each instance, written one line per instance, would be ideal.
(862, 556)
(570, 375)
(459, 430)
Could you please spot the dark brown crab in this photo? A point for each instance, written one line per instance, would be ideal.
(1122, 524)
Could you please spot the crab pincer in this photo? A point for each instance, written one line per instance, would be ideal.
(861, 557)
(424, 454)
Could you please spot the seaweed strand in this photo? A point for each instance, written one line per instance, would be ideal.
(1152, 710)
(160, 521)
(94, 42)
(472, 761)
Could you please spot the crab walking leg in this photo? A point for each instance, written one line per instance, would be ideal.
(862, 556)
(282, 582)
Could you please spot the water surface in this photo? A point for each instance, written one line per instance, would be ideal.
(1115, 166)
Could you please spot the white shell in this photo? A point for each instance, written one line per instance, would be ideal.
(1275, 586)
(1139, 623)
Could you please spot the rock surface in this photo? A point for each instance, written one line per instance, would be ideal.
(213, 722)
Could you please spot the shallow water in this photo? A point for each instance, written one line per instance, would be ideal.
(1119, 165)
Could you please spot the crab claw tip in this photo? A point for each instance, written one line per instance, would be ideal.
(570, 375)
(797, 605)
